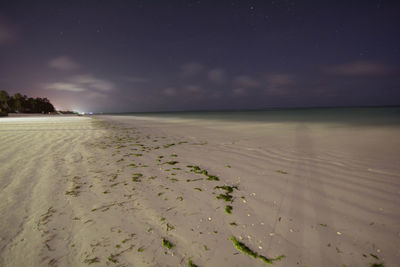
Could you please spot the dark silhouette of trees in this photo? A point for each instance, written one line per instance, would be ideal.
(22, 104)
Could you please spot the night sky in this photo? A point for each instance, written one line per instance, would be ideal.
(119, 56)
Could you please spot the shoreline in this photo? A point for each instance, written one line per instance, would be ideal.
(113, 189)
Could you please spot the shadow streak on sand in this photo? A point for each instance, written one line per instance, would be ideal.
(307, 227)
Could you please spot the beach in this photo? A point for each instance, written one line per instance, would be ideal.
(148, 191)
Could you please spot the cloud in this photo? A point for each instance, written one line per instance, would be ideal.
(64, 87)
(92, 82)
(359, 68)
(6, 34)
(193, 89)
(63, 63)
(244, 81)
(216, 75)
(169, 91)
(134, 79)
(191, 69)
(82, 83)
(96, 95)
(278, 83)
(239, 92)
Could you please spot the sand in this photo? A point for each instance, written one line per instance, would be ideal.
(105, 191)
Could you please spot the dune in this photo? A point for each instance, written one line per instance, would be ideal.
(125, 191)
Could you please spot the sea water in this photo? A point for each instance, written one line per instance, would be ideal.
(357, 116)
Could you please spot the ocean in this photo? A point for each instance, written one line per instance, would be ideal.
(357, 116)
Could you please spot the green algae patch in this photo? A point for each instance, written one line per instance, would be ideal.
(167, 243)
(136, 177)
(228, 190)
(226, 197)
(172, 162)
(198, 170)
(168, 145)
(194, 180)
(92, 260)
(191, 264)
(246, 250)
(113, 258)
(228, 209)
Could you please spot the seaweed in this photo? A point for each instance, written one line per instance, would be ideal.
(281, 172)
(172, 162)
(374, 256)
(170, 227)
(92, 260)
(191, 264)
(233, 224)
(168, 145)
(244, 249)
(228, 209)
(112, 258)
(136, 177)
(226, 197)
(212, 178)
(72, 193)
(194, 180)
(198, 170)
(198, 189)
(227, 188)
(167, 243)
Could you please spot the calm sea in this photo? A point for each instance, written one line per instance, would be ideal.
(355, 116)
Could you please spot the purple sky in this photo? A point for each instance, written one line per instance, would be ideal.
(118, 56)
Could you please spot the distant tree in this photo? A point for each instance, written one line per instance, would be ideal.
(4, 98)
(21, 103)
(17, 102)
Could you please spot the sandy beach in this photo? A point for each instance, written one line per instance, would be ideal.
(125, 191)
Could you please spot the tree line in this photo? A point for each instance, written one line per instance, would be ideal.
(22, 104)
